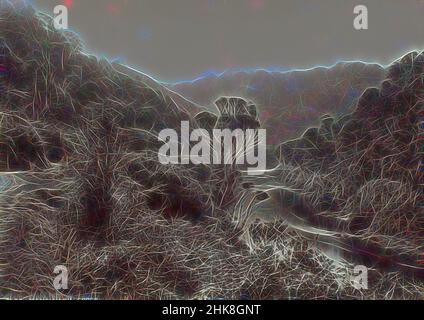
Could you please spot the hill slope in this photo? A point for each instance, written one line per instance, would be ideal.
(289, 102)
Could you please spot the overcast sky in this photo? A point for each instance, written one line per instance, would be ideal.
(180, 39)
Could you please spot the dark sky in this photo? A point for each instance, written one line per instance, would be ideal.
(180, 39)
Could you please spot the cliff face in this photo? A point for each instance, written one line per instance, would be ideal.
(369, 167)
